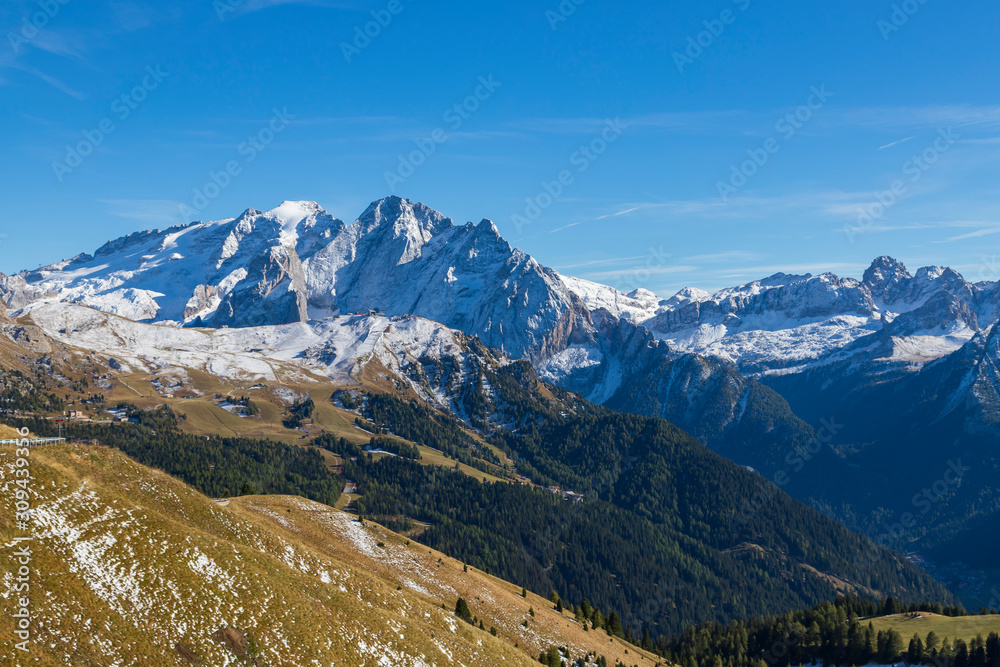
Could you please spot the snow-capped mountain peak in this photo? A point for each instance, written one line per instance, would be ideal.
(688, 295)
(788, 323)
(405, 218)
(884, 269)
(296, 262)
(293, 224)
(885, 278)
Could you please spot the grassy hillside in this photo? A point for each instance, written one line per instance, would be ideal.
(8, 433)
(132, 567)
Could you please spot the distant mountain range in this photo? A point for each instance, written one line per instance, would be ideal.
(905, 365)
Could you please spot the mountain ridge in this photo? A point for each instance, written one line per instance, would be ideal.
(746, 369)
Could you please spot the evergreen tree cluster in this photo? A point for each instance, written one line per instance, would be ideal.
(20, 392)
(251, 408)
(347, 398)
(417, 423)
(218, 467)
(397, 447)
(300, 411)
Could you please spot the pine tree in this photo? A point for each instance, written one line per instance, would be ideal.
(462, 610)
(871, 642)
(915, 652)
(977, 652)
(993, 650)
(893, 646)
(961, 654)
(614, 625)
(890, 607)
(856, 644)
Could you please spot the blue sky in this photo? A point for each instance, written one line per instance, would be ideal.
(703, 144)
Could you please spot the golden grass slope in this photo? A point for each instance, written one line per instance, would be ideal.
(132, 567)
(8, 433)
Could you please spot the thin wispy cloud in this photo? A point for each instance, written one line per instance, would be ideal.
(982, 141)
(972, 235)
(615, 215)
(676, 206)
(65, 44)
(656, 270)
(595, 262)
(916, 117)
(251, 6)
(829, 202)
(693, 121)
(312, 120)
(896, 143)
(130, 16)
(151, 212)
(58, 84)
(483, 134)
(735, 122)
(750, 122)
(559, 229)
(727, 256)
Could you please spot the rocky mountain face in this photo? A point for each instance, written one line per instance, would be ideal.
(785, 323)
(298, 263)
(738, 417)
